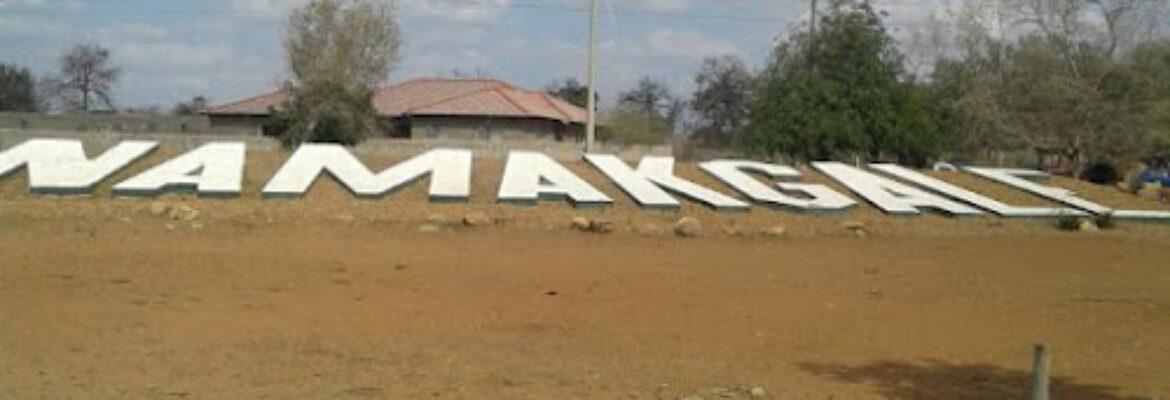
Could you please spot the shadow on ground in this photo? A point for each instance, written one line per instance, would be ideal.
(934, 380)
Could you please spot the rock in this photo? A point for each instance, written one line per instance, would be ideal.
(691, 397)
(854, 226)
(429, 228)
(169, 227)
(688, 227)
(649, 230)
(732, 230)
(757, 392)
(183, 212)
(1088, 225)
(346, 218)
(858, 228)
(723, 392)
(600, 226)
(159, 208)
(196, 225)
(775, 231)
(476, 218)
(436, 219)
(580, 223)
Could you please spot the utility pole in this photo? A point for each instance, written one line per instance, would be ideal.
(812, 37)
(591, 80)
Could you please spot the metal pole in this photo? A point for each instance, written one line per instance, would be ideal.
(591, 123)
(812, 36)
(1040, 362)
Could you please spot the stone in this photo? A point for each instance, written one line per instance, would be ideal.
(476, 218)
(732, 230)
(858, 228)
(346, 218)
(649, 230)
(159, 208)
(429, 228)
(854, 226)
(169, 227)
(600, 226)
(757, 392)
(1088, 225)
(436, 219)
(688, 227)
(196, 225)
(580, 223)
(183, 212)
(775, 231)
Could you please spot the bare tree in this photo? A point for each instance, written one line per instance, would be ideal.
(86, 75)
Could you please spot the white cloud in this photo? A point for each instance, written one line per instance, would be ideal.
(264, 9)
(462, 11)
(6, 4)
(662, 4)
(670, 43)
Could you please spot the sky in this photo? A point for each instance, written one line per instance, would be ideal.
(172, 50)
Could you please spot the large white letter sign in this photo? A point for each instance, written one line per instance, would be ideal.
(653, 174)
(813, 197)
(890, 196)
(450, 172)
(1019, 179)
(972, 198)
(530, 176)
(213, 170)
(61, 166)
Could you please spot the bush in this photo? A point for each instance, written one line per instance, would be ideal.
(1105, 221)
(1101, 173)
(1069, 223)
(630, 127)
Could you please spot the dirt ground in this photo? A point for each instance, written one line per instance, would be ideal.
(332, 297)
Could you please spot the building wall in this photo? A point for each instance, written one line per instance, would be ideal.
(122, 123)
(492, 129)
(251, 125)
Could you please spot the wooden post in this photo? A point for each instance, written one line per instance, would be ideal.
(1040, 362)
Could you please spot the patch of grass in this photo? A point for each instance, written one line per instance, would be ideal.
(1106, 221)
(1068, 223)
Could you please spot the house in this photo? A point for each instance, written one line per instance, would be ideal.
(459, 109)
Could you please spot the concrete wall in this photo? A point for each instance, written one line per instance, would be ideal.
(248, 125)
(122, 123)
(562, 151)
(493, 129)
(99, 141)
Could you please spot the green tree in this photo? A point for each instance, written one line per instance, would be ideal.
(843, 94)
(721, 100)
(17, 89)
(1065, 83)
(633, 127)
(196, 105)
(571, 91)
(651, 98)
(338, 52)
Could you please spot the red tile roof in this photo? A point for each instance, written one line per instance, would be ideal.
(435, 97)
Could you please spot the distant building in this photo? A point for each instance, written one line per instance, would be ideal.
(463, 109)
